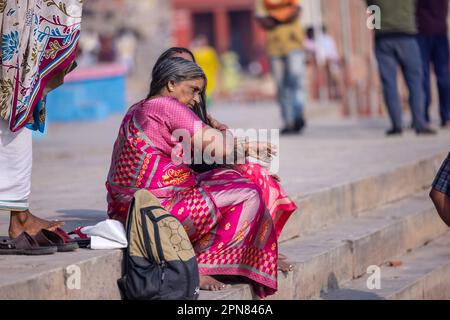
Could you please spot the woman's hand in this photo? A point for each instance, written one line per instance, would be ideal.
(263, 151)
(216, 124)
(221, 126)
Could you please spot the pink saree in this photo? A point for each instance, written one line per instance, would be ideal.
(233, 217)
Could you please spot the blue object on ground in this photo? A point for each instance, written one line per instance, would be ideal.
(88, 96)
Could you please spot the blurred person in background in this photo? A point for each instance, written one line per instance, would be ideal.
(88, 48)
(396, 46)
(434, 47)
(231, 72)
(328, 57)
(107, 52)
(310, 45)
(312, 69)
(280, 18)
(207, 58)
(126, 46)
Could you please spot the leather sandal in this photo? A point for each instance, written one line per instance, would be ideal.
(47, 238)
(24, 244)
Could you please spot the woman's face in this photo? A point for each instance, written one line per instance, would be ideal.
(187, 92)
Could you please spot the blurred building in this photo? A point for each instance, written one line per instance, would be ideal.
(149, 20)
(228, 25)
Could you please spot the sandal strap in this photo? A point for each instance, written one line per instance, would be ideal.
(24, 241)
(6, 245)
(47, 238)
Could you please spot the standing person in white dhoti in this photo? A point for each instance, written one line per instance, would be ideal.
(38, 46)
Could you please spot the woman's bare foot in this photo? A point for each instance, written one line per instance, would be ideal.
(285, 266)
(24, 221)
(211, 284)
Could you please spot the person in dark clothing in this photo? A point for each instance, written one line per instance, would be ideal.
(434, 48)
(396, 45)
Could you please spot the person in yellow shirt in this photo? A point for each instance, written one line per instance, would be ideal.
(207, 59)
(280, 18)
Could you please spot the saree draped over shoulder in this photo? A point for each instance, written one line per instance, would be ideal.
(233, 216)
(38, 41)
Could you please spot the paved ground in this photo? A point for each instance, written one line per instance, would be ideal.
(72, 160)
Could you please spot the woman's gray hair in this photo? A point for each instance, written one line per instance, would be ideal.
(175, 69)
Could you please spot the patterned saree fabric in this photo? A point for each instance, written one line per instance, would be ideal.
(38, 41)
(233, 217)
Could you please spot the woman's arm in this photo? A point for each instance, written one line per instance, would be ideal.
(216, 146)
(217, 124)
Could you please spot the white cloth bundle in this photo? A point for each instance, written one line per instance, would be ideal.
(108, 234)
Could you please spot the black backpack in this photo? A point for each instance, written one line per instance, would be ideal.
(159, 263)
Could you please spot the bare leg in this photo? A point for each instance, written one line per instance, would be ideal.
(24, 221)
(442, 203)
(211, 284)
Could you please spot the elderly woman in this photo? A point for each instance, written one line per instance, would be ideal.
(223, 212)
(275, 199)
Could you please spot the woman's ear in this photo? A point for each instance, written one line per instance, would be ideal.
(171, 86)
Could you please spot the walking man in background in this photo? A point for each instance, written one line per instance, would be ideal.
(396, 45)
(280, 18)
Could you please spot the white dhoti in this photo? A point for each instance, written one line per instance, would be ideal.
(15, 168)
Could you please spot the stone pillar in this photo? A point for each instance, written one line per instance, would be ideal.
(182, 28)
(222, 29)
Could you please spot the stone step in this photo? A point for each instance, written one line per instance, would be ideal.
(343, 252)
(85, 274)
(322, 260)
(356, 198)
(423, 274)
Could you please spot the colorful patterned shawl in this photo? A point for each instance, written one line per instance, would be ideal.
(38, 41)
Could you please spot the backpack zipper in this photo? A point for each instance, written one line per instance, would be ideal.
(163, 263)
(146, 235)
(129, 222)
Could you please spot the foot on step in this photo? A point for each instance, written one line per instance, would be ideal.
(24, 221)
(211, 284)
